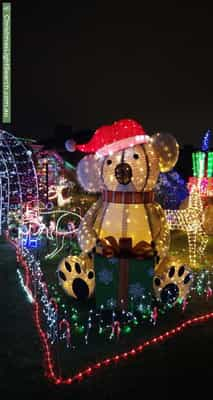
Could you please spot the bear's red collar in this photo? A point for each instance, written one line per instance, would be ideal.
(128, 197)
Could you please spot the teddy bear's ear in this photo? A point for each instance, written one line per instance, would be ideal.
(89, 174)
(167, 149)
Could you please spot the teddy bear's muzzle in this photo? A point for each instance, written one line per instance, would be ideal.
(123, 173)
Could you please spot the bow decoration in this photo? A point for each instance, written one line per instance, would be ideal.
(109, 247)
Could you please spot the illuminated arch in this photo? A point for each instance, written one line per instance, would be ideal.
(18, 179)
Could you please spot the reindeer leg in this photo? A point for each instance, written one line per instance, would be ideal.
(192, 238)
(203, 240)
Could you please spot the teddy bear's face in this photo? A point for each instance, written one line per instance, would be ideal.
(134, 169)
(131, 170)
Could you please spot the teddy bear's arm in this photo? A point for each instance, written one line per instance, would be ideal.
(162, 240)
(86, 234)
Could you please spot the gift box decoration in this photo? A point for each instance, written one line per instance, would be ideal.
(123, 280)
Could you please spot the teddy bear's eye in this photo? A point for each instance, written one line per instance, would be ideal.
(109, 162)
(136, 156)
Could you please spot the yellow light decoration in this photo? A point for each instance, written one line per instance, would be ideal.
(61, 200)
(52, 192)
(172, 281)
(167, 149)
(76, 276)
(190, 220)
(56, 192)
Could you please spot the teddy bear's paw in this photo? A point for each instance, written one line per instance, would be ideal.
(77, 280)
(173, 285)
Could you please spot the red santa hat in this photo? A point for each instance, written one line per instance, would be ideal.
(111, 138)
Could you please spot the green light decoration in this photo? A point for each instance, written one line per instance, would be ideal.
(100, 331)
(127, 329)
(69, 165)
(194, 165)
(74, 317)
(210, 165)
(27, 140)
(80, 329)
(202, 283)
(202, 164)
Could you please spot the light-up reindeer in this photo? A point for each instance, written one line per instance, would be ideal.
(190, 220)
(56, 192)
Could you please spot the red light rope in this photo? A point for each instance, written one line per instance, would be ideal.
(49, 365)
(116, 358)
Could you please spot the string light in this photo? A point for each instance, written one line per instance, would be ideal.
(190, 220)
(50, 366)
(46, 307)
(18, 181)
(206, 140)
(56, 192)
(34, 229)
(203, 280)
(25, 288)
(115, 358)
(67, 334)
(202, 165)
(170, 190)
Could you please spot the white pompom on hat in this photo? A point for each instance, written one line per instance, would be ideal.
(70, 145)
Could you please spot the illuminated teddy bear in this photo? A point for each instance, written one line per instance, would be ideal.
(123, 165)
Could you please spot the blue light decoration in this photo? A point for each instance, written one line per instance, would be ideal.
(31, 242)
(170, 190)
(206, 141)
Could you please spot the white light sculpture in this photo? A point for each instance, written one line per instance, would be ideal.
(18, 179)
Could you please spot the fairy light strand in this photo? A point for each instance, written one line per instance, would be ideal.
(119, 357)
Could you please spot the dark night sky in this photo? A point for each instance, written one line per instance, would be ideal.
(89, 63)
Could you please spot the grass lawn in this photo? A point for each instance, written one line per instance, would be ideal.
(159, 370)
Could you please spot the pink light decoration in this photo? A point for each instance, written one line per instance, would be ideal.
(209, 293)
(116, 329)
(66, 324)
(185, 302)
(54, 303)
(155, 315)
(204, 184)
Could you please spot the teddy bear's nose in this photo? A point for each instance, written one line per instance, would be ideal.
(123, 173)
